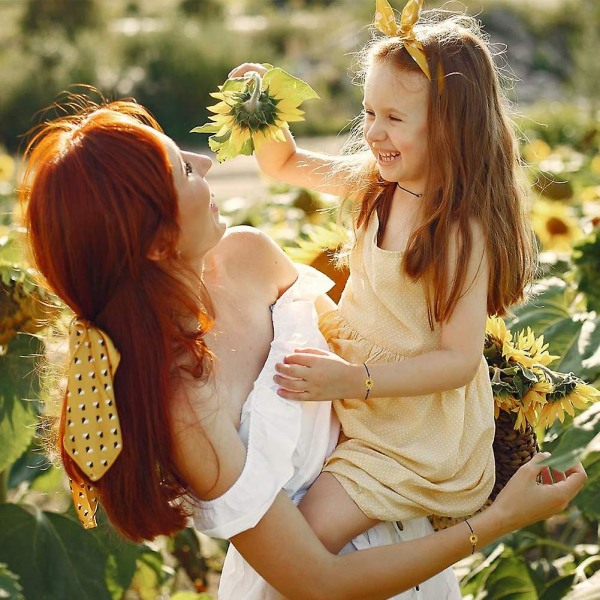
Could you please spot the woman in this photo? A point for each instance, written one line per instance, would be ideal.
(171, 365)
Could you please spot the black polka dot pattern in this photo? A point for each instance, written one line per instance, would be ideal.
(85, 500)
(92, 432)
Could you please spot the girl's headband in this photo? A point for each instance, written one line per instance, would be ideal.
(385, 21)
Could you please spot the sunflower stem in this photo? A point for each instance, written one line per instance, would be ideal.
(251, 105)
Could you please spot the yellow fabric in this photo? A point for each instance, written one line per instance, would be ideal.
(385, 22)
(410, 456)
(92, 430)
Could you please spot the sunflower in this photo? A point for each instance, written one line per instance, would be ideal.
(554, 225)
(253, 110)
(7, 167)
(568, 394)
(522, 383)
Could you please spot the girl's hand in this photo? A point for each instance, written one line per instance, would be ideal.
(244, 68)
(313, 374)
(535, 493)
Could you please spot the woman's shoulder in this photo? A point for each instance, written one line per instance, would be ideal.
(252, 253)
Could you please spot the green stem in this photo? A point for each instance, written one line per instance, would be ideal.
(549, 543)
(4, 486)
(252, 104)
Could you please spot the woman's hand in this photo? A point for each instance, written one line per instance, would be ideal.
(244, 68)
(536, 492)
(313, 374)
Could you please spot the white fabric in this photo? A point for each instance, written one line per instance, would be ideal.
(287, 443)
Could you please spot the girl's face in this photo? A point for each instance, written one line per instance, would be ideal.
(200, 224)
(395, 127)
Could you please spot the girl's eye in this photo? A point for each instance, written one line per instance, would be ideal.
(369, 113)
(392, 118)
(188, 167)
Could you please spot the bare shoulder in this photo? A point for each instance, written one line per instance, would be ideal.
(208, 452)
(255, 254)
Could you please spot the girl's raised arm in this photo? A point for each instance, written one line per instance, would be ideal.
(286, 162)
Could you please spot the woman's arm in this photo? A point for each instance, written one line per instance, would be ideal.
(286, 162)
(316, 375)
(286, 552)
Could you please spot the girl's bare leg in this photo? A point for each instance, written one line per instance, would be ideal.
(332, 514)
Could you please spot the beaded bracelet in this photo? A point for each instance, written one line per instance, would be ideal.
(473, 537)
(368, 381)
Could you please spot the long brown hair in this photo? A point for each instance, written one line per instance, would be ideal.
(473, 170)
(97, 191)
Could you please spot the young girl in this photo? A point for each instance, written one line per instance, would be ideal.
(441, 242)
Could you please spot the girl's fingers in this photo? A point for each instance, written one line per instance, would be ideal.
(293, 385)
(316, 351)
(293, 371)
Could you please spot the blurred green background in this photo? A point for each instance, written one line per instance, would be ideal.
(169, 55)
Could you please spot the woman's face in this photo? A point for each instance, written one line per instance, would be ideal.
(200, 224)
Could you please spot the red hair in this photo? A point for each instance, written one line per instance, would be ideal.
(98, 190)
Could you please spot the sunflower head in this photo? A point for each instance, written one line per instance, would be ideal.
(253, 110)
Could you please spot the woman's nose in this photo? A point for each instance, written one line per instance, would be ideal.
(204, 163)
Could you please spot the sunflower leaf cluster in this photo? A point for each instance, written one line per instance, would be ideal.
(252, 110)
(522, 383)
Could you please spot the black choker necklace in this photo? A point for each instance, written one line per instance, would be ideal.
(408, 191)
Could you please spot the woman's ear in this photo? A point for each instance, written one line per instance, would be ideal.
(159, 250)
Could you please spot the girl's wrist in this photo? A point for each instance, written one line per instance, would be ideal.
(362, 381)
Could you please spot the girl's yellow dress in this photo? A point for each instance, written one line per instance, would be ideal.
(405, 457)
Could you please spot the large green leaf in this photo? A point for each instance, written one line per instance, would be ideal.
(53, 555)
(547, 304)
(588, 499)
(574, 336)
(511, 579)
(557, 588)
(42, 546)
(19, 387)
(502, 576)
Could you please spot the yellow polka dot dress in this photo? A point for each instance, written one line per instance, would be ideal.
(405, 457)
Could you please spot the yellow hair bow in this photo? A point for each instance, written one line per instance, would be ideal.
(92, 431)
(385, 21)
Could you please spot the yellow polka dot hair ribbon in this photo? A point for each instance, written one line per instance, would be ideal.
(385, 21)
(92, 430)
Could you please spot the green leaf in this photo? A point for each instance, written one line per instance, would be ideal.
(557, 588)
(587, 499)
(288, 85)
(547, 304)
(511, 579)
(206, 128)
(53, 555)
(10, 588)
(19, 384)
(573, 441)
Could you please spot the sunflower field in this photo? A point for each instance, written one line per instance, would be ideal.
(544, 358)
